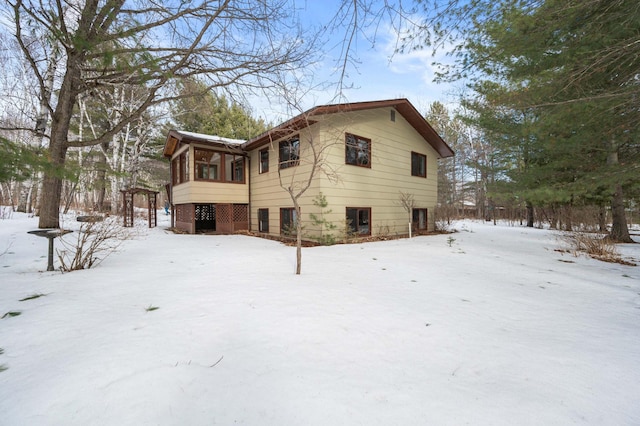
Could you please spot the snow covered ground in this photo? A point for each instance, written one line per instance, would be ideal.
(493, 328)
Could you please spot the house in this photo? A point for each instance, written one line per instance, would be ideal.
(370, 153)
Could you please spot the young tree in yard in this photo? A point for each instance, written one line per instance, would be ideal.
(319, 220)
(301, 160)
(151, 46)
(302, 157)
(407, 201)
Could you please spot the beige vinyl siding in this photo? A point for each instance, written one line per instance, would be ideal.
(377, 187)
(266, 189)
(209, 192)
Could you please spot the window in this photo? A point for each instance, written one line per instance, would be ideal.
(419, 219)
(175, 171)
(234, 168)
(180, 168)
(263, 220)
(218, 166)
(208, 164)
(264, 160)
(288, 221)
(359, 220)
(357, 151)
(418, 165)
(290, 153)
(184, 166)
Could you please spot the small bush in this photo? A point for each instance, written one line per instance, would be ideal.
(326, 227)
(347, 233)
(92, 244)
(442, 225)
(593, 245)
(442, 219)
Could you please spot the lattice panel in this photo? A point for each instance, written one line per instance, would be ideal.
(128, 210)
(205, 212)
(153, 218)
(240, 212)
(224, 213)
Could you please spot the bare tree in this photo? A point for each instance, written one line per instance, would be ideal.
(305, 160)
(408, 202)
(104, 44)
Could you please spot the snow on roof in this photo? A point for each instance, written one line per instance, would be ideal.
(211, 138)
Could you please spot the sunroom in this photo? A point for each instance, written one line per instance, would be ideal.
(208, 189)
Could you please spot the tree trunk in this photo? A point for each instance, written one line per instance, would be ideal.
(298, 240)
(60, 123)
(52, 188)
(51, 191)
(619, 229)
(602, 216)
(529, 208)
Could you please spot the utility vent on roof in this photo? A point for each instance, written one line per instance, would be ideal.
(393, 115)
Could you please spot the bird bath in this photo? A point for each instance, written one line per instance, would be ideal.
(50, 234)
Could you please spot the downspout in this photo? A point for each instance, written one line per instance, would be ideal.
(248, 177)
(170, 194)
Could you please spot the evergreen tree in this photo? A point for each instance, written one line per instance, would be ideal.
(200, 110)
(326, 228)
(557, 82)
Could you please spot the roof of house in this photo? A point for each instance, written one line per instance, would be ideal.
(403, 106)
(176, 136)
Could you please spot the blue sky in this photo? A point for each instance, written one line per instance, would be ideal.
(378, 73)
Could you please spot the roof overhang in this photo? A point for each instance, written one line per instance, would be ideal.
(177, 137)
(403, 106)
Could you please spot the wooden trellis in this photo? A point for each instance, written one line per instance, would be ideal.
(127, 205)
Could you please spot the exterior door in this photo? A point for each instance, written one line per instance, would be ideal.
(205, 217)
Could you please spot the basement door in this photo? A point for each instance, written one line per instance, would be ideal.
(205, 217)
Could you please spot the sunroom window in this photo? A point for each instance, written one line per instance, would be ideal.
(208, 164)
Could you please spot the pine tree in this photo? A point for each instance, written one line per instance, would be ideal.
(556, 81)
(203, 111)
(326, 236)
